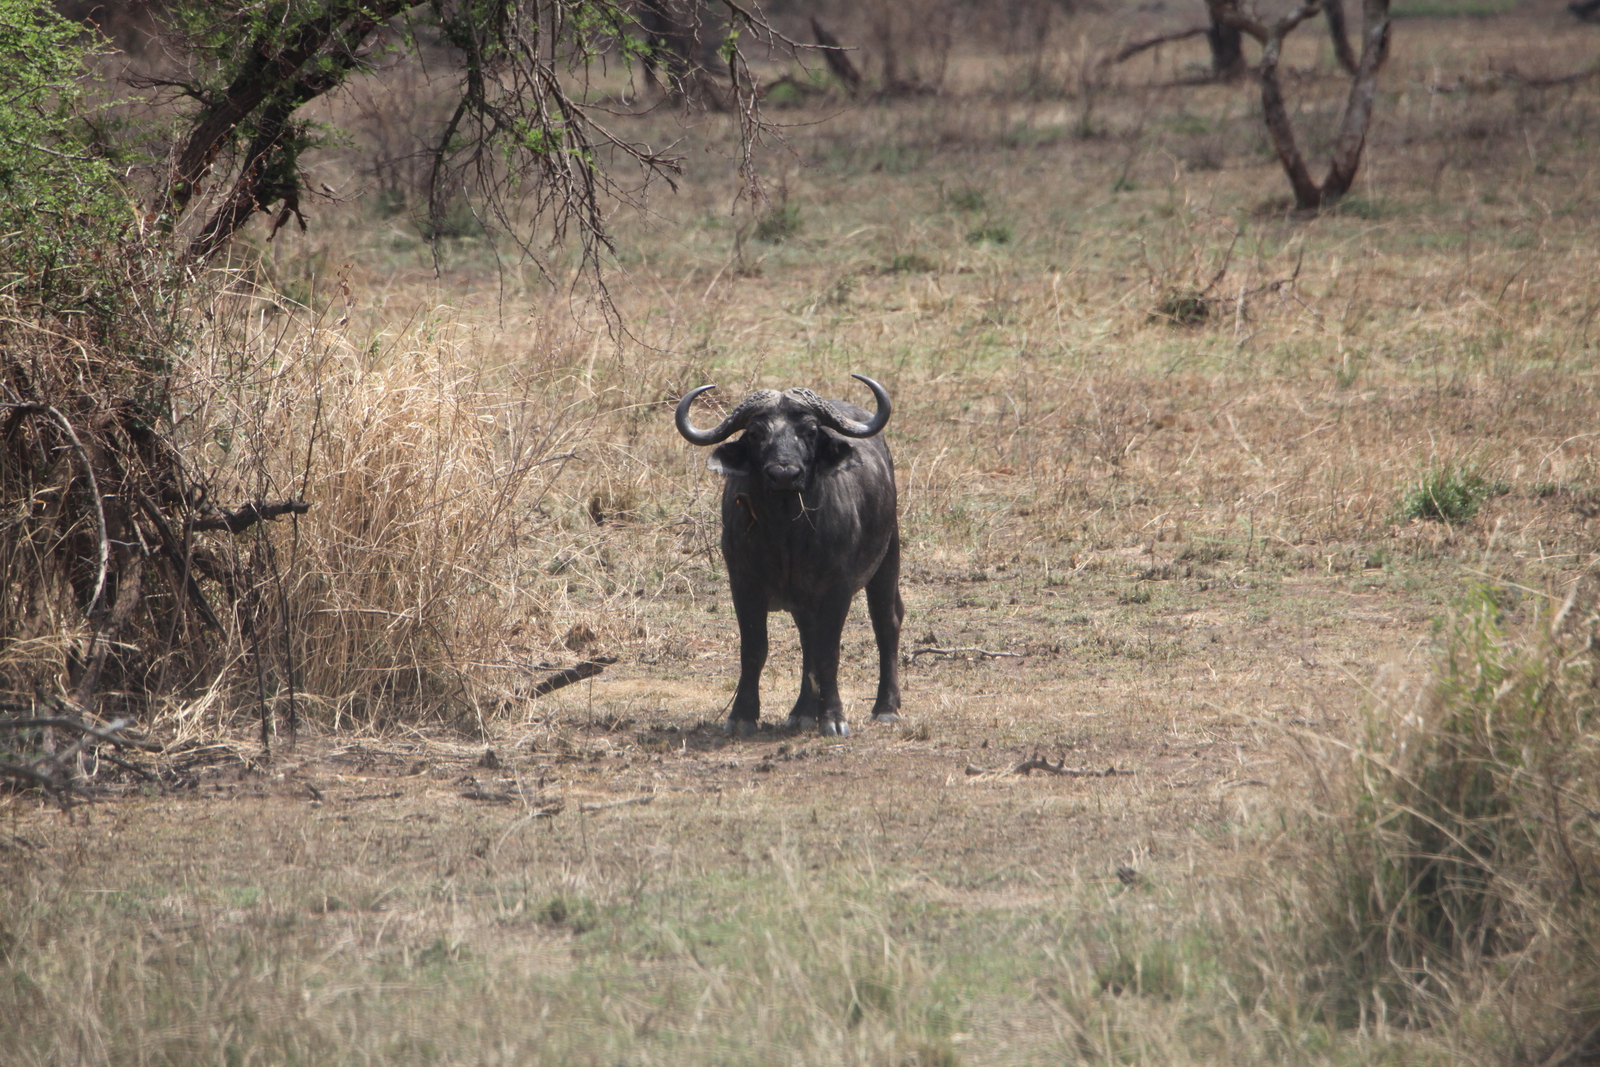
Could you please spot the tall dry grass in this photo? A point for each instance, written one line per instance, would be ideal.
(1456, 886)
(405, 592)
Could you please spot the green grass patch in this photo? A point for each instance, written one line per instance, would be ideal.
(1449, 494)
(911, 263)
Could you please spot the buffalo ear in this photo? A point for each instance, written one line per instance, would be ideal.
(836, 453)
(729, 459)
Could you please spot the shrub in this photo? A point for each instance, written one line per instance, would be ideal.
(911, 263)
(1184, 307)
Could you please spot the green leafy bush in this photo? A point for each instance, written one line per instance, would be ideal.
(60, 204)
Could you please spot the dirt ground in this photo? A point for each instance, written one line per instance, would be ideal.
(1168, 708)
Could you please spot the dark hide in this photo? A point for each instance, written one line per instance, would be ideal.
(809, 519)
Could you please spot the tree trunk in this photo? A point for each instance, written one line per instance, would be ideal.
(1227, 51)
(1334, 11)
(1307, 197)
(1358, 109)
(839, 61)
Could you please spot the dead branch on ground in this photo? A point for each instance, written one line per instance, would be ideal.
(241, 520)
(605, 805)
(53, 772)
(982, 653)
(563, 678)
(1038, 763)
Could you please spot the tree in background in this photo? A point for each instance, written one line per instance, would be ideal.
(1352, 137)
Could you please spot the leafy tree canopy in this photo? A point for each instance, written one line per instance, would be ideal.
(59, 199)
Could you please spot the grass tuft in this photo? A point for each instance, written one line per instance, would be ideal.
(997, 233)
(967, 198)
(1449, 494)
(1184, 308)
(911, 263)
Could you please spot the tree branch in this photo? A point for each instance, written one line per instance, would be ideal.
(241, 520)
(1128, 51)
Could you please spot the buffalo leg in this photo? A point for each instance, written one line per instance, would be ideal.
(808, 705)
(820, 631)
(887, 611)
(752, 614)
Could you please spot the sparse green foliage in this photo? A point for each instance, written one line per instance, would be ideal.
(991, 232)
(1184, 308)
(779, 223)
(967, 198)
(911, 263)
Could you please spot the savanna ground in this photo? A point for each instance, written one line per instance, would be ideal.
(1162, 448)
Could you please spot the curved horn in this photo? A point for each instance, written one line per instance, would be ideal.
(736, 420)
(850, 427)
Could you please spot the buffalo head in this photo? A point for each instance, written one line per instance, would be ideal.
(784, 443)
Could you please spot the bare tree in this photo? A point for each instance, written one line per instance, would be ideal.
(1352, 137)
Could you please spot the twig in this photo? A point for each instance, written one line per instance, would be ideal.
(544, 811)
(1028, 766)
(94, 491)
(129, 766)
(1499, 79)
(110, 733)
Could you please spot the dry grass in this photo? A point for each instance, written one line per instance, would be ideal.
(1195, 536)
(1456, 885)
(396, 599)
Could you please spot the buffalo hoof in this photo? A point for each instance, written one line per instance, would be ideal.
(887, 716)
(800, 722)
(740, 727)
(835, 728)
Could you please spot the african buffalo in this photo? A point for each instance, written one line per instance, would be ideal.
(808, 518)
